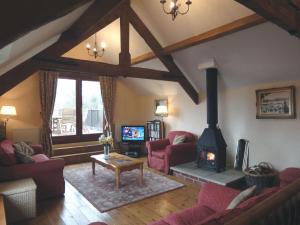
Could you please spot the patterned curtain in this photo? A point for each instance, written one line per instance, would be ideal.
(108, 92)
(48, 85)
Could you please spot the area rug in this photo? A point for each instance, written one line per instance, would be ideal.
(100, 189)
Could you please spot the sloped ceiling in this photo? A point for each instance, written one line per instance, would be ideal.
(261, 54)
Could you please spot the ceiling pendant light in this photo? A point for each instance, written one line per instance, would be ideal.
(175, 7)
(95, 51)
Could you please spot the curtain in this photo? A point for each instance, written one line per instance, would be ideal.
(48, 85)
(108, 92)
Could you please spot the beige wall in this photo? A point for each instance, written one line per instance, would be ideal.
(25, 97)
(275, 141)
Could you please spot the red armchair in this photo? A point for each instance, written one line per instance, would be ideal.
(162, 154)
(47, 173)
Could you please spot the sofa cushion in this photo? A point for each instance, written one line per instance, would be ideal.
(159, 154)
(189, 216)
(267, 192)
(23, 158)
(24, 148)
(241, 197)
(178, 139)
(221, 217)
(289, 175)
(7, 154)
(40, 158)
(216, 197)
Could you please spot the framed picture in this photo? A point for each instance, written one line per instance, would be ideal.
(276, 103)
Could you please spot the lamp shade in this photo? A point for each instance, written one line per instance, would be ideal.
(8, 110)
(162, 110)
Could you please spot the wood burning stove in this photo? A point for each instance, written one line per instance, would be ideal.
(211, 146)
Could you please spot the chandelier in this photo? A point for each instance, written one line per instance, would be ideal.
(175, 7)
(95, 50)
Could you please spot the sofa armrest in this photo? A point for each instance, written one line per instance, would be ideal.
(38, 149)
(156, 145)
(20, 171)
(215, 196)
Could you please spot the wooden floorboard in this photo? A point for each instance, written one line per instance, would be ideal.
(74, 209)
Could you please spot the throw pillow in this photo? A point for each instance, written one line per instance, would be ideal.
(178, 139)
(241, 197)
(23, 158)
(24, 148)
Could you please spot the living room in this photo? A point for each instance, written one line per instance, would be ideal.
(254, 54)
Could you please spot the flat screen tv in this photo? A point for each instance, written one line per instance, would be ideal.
(133, 133)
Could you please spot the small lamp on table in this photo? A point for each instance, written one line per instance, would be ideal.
(7, 112)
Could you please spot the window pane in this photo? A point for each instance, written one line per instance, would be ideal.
(64, 113)
(92, 108)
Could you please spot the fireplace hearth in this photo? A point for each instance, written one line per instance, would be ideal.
(211, 147)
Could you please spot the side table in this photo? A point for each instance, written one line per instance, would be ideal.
(19, 199)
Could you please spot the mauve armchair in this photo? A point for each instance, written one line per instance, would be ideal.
(162, 154)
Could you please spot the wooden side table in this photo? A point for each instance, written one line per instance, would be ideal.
(19, 199)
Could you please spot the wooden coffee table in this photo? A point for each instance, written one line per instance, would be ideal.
(118, 163)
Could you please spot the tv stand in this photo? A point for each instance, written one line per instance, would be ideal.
(131, 149)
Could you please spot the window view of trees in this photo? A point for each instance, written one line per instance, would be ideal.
(67, 108)
(64, 113)
(92, 108)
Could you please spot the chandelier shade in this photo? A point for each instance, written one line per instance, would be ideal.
(175, 6)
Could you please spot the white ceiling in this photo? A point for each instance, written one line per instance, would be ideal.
(203, 16)
(261, 54)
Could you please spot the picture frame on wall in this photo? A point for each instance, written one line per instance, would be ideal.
(276, 103)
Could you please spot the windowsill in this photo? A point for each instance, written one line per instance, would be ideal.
(78, 144)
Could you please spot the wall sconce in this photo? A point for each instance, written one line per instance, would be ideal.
(7, 112)
(161, 108)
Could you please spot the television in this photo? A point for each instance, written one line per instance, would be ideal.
(133, 133)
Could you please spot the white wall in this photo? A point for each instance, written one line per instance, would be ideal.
(273, 140)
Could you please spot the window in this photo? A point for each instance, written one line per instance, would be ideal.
(78, 111)
(92, 108)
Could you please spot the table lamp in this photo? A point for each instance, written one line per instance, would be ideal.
(162, 110)
(7, 112)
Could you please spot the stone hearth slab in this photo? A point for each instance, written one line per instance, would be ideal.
(229, 177)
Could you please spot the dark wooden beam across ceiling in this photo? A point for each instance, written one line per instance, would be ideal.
(124, 56)
(240, 24)
(284, 13)
(167, 60)
(18, 18)
(97, 69)
(100, 14)
(16, 75)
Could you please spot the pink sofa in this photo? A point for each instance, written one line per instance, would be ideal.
(213, 200)
(47, 173)
(162, 154)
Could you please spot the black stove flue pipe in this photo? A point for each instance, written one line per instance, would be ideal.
(212, 97)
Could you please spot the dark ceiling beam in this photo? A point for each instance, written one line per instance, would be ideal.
(18, 18)
(124, 56)
(16, 76)
(167, 60)
(100, 14)
(97, 69)
(237, 25)
(283, 13)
